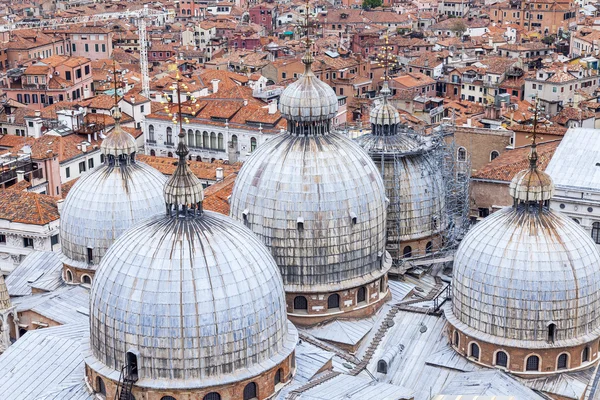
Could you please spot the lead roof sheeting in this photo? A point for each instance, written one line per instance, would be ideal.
(308, 99)
(57, 350)
(60, 305)
(518, 271)
(488, 383)
(575, 159)
(343, 331)
(322, 179)
(352, 387)
(103, 204)
(201, 299)
(41, 269)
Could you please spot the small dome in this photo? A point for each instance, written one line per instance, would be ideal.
(318, 202)
(384, 114)
(118, 142)
(183, 187)
(103, 204)
(393, 144)
(199, 298)
(532, 185)
(308, 99)
(522, 269)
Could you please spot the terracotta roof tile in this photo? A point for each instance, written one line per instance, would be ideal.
(216, 197)
(203, 170)
(27, 207)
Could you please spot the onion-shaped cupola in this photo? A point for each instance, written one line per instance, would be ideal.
(105, 202)
(312, 196)
(384, 117)
(526, 285)
(190, 302)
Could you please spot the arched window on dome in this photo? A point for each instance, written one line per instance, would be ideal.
(493, 155)
(533, 363)
(168, 398)
(252, 144)
(250, 391)
(152, 153)
(596, 232)
(361, 295)
(428, 248)
(278, 377)
(407, 252)
(220, 142)
(169, 135)
(474, 350)
(100, 386)
(562, 361)
(382, 366)
(333, 301)
(456, 339)
(69, 276)
(300, 303)
(461, 154)
(212, 396)
(132, 365)
(585, 354)
(551, 332)
(85, 279)
(151, 133)
(501, 359)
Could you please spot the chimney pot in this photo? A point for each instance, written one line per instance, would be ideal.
(219, 174)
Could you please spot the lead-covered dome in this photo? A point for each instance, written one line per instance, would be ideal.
(308, 99)
(200, 299)
(105, 202)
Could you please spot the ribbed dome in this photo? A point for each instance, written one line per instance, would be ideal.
(384, 114)
(318, 202)
(532, 185)
(118, 142)
(522, 269)
(308, 99)
(103, 204)
(199, 298)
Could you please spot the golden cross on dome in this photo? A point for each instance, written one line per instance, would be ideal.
(533, 155)
(386, 59)
(307, 25)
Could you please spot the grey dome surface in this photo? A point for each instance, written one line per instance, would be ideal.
(308, 99)
(118, 142)
(328, 184)
(200, 299)
(520, 270)
(103, 204)
(384, 114)
(392, 144)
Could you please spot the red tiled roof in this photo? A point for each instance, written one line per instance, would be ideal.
(27, 207)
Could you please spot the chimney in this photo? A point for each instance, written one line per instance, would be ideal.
(38, 113)
(215, 85)
(469, 122)
(96, 135)
(10, 118)
(245, 102)
(132, 100)
(20, 175)
(59, 205)
(84, 148)
(273, 106)
(89, 137)
(219, 174)
(564, 68)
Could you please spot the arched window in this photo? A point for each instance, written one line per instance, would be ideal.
(100, 386)
(220, 142)
(168, 398)
(191, 140)
(212, 396)
(428, 248)
(551, 333)
(501, 359)
(382, 285)
(461, 154)
(102, 158)
(585, 354)
(151, 132)
(562, 361)
(493, 155)
(576, 221)
(131, 360)
(213, 140)
(86, 279)
(169, 154)
(333, 301)
(198, 158)
(198, 139)
(205, 140)
(596, 232)
(475, 351)
(533, 363)
(69, 276)
(382, 366)
(250, 391)
(169, 135)
(361, 295)
(152, 153)
(252, 144)
(456, 338)
(300, 303)
(278, 375)
(234, 142)
(407, 252)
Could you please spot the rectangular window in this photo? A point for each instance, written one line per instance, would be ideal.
(82, 167)
(68, 75)
(142, 108)
(86, 47)
(2, 239)
(78, 73)
(53, 240)
(554, 89)
(34, 98)
(91, 163)
(28, 242)
(96, 47)
(104, 48)
(19, 97)
(68, 172)
(534, 86)
(73, 47)
(27, 99)
(90, 255)
(87, 69)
